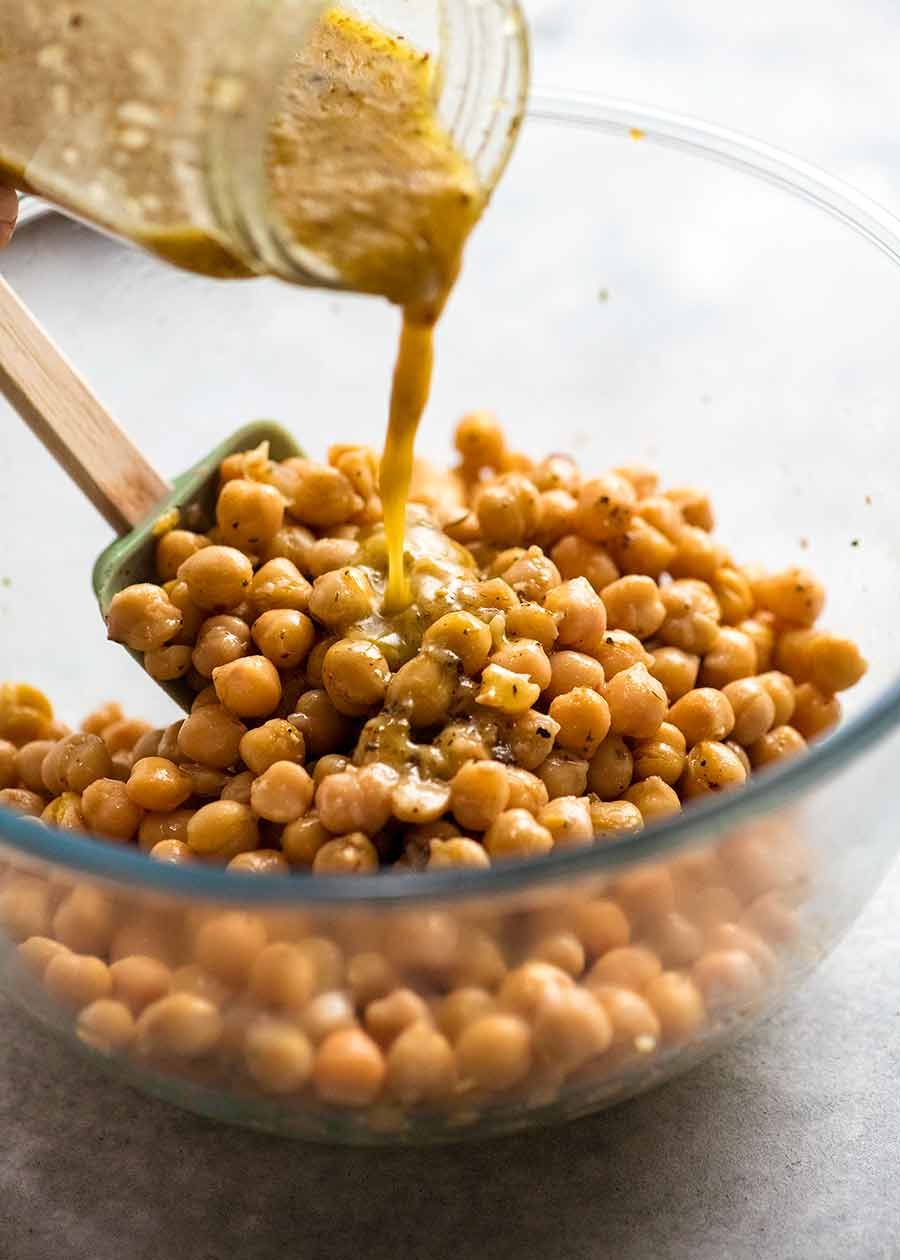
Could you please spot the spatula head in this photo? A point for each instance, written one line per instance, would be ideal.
(131, 559)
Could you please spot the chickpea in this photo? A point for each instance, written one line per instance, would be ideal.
(605, 507)
(611, 768)
(635, 1027)
(480, 442)
(77, 980)
(697, 555)
(36, 951)
(568, 819)
(732, 589)
(328, 1012)
(142, 617)
(463, 634)
(753, 707)
(531, 738)
(783, 693)
(171, 552)
(675, 938)
(291, 542)
(479, 793)
(22, 801)
(249, 513)
(618, 650)
(75, 763)
(692, 616)
(211, 736)
(563, 950)
(228, 945)
(525, 656)
(205, 780)
(341, 597)
(137, 981)
(283, 793)
(355, 675)
(505, 691)
(317, 494)
(526, 790)
(462, 1007)
(662, 755)
(825, 660)
(711, 767)
(637, 702)
(532, 575)
(349, 1068)
(814, 713)
(285, 636)
(421, 1066)
(581, 614)
(323, 728)
(654, 798)
(728, 936)
(563, 774)
(515, 833)
(557, 472)
(65, 813)
(249, 687)
(626, 967)
(763, 635)
(155, 829)
(105, 1026)
(192, 616)
(507, 510)
(11, 771)
(678, 1005)
(157, 784)
(25, 907)
(326, 554)
(702, 714)
(220, 640)
(109, 810)
(612, 819)
(794, 596)
(181, 1025)
(557, 512)
(584, 721)
(458, 851)
(357, 799)
(353, 854)
(633, 604)
(222, 828)
(643, 549)
(302, 840)
(570, 1028)
(494, 1053)
(282, 976)
(25, 714)
(279, 1057)
(260, 862)
(388, 1016)
(575, 557)
(732, 656)
(778, 744)
(423, 688)
(168, 663)
(173, 852)
(217, 578)
(569, 670)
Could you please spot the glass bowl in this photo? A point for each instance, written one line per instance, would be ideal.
(642, 288)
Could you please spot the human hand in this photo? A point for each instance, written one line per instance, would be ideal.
(9, 209)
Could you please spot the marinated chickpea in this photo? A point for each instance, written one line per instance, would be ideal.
(220, 641)
(22, 801)
(779, 744)
(421, 1066)
(172, 550)
(423, 688)
(357, 799)
(763, 635)
(157, 784)
(753, 708)
(711, 767)
(618, 650)
(727, 977)
(676, 670)
(341, 597)
(168, 663)
(285, 636)
(505, 691)
(635, 1026)
(580, 612)
(173, 852)
(563, 950)
(575, 557)
(282, 976)
(65, 813)
(142, 617)
(387, 1017)
(611, 768)
(463, 634)
(568, 819)
(613, 819)
(508, 510)
(734, 594)
(692, 616)
(261, 862)
(584, 721)
(318, 495)
(525, 656)
(532, 575)
(825, 660)
(479, 793)
(355, 675)
(223, 829)
(526, 790)
(569, 670)
(702, 714)
(249, 513)
(250, 687)
(109, 810)
(156, 829)
(661, 755)
(814, 712)
(353, 854)
(563, 774)
(697, 555)
(531, 738)
(732, 656)
(228, 945)
(643, 549)
(480, 442)
(633, 604)
(556, 514)
(457, 851)
(321, 725)
(217, 578)
(605, 507)
(654, 798)
(11, 770)
(637, 702)
(695, 506)
(794, 596)
(210, 736)
(516, 833)
(283, 793)
(75, 763)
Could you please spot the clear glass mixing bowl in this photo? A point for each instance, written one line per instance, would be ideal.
(642, 288)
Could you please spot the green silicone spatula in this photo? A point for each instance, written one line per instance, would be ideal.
(53, 400)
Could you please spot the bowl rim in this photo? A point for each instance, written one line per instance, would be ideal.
(126, 866)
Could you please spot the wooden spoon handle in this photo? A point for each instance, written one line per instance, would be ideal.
(56, 404)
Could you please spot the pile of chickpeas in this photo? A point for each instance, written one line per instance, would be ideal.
(582, 657)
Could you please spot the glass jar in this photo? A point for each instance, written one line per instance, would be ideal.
(151, 121)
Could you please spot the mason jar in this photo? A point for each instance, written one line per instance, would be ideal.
(151, 121)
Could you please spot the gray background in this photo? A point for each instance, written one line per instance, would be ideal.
(785, 1146)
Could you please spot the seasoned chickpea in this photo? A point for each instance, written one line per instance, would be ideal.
(260, 862)
(158, 828)
(173, 852)
(826, 660)
(711, 767)
(302, 840)
(678, 1005)
(814, 712)
(531, 738)
(605, 507)
(584, 720)
(516, 833)
(249, 513)
(625, 966)
(228, 945)
(462, 1007)
(285, 636)
(173, 549)
(249, 687)
(525, 656)
(728, 936)
(355, 675)
(210, 736)
(508, 510)
(794, 595)
(661, 755)
(322, 726)
(217, 578)
(138, 980)
(732, 589)
(569, 670)
(568, 819)
(692, 616)
(563, 950)
(778, 744)
(702, 714)
(25, 907)
(75, 763)
(357, 799)
(637, 702)
(556, 514)
(109, 810)
(353, 854)
(455, 852)
(65, 813)
(611, 768)
(421, 1066)
(613, 819)
(676, 939)
(479, 793)
(580, 613)
(142, 617)
(341, 597)
(423, 688)
(349, 1068)
(575, 557)
(732, 656)
(563, 774)
(168, 663)
(317, 494)
(635, 1026)
(463, 634)
(782, 690)
(105, 1026)
(293, 542)
(727, 977)
(633, 604)
(181, 1025)
(25, 714)
(223, 829)
(386, 1017)
(23, 766)
(22, 801)
(694, 504)
(480, 441)
(220, 640)
(643, 549)
(532, 575)
(282, 976)
(697, 555)
(654, 798)
(570, 1028)
(77, 980)
(328, 1012)
(618, 650)
(763, 635)
(526, 790)
(505, 691)
(754, 709)
(157, 784)
(283, 793)
(494, 1052)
